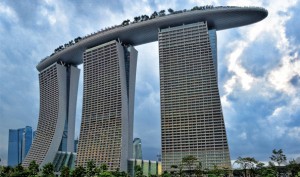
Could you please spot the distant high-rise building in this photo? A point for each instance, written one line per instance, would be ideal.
(75, 145)
(18, 145)
(137, 148)
(33, 135)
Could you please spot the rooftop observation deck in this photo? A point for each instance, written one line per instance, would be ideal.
(137, 33)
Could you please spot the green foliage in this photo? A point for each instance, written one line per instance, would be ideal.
(105, 174)
(138, 171)
(48, 170)
(166, 174)
(247, 164)
(103, 167)
(278, 156)
(189, 161)
(90, 169)
(65, 172)
(6, 171)
(294, 168)
(33, 168)
(78, 172)
(199, 170)
(170, 10)
(119, 174)
(268, 172)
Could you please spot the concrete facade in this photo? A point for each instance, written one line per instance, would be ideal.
(58, 95)
(108, 100)
(191, 114)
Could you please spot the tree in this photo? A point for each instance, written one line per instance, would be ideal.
(78, 172)
(90, 168)
(33, 168)
(278, 156)
(268, 172)
(293, 167)
(246, 163)
(198, 170)
(105, 174)
(103, 167)
(165, 174)
(170, 10)
(189, 161)
(126, 22)
(138, 171)
(174, 169)
(162, 13)
(154, 15)
(65, 171)
(48, 170)
(136, 19)
(19, 171)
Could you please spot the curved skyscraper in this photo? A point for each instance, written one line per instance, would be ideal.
(191, 113)
(56, 125)
(108, 100)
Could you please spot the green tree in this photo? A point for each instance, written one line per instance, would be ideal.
(6, 171)
(170, 10)
(65, 171)
(165, 174)
(78, 172)
(19, 171)
(268, 172)
(33, 168)
(103, 167)
(174, 170)
(106, 174)
(162, 13)
(293, 167)
(138, 171)
(278, 156)
(189, 161)
(199, 170)
(246, 163)
(48, 170)
(90, 168)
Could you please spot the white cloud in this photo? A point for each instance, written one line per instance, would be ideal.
(294, 133)
(243, 136)
(8, 12)
(273, 26)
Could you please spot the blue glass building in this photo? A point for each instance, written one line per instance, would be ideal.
(19, 143)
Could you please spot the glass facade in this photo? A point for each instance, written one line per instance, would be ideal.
(148, 167)
(18, 145)
(137, 148)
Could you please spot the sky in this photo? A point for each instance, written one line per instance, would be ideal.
(258, 69)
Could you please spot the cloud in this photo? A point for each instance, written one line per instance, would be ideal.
(8, 13)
